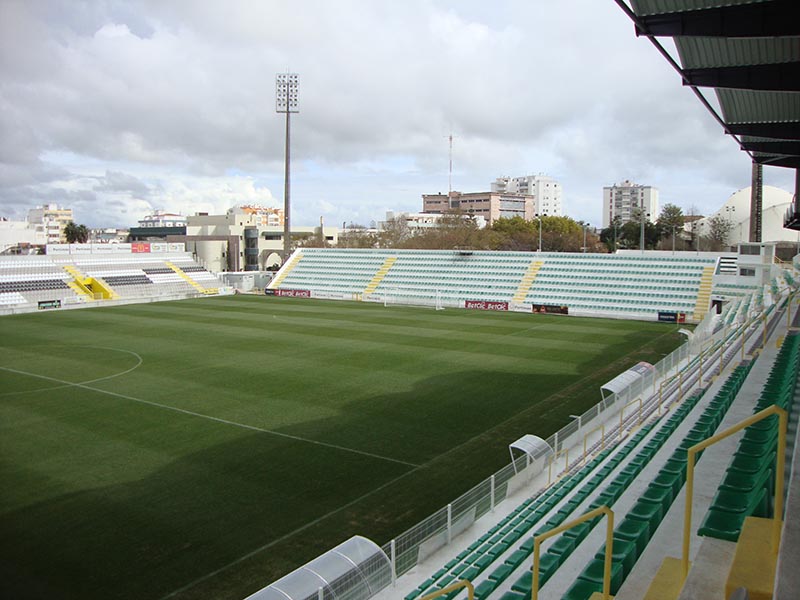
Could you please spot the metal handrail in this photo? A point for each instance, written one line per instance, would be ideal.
(456, 585)
(779, 468)
(537, 540)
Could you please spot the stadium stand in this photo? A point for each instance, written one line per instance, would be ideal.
(625, 285)
(29, 282)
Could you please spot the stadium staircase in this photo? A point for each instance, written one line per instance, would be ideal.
(275, 283)
(703, 295)
(91, 288)
(183, 275)
(527, 281)
(380, 275)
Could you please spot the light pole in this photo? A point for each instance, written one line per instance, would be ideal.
(673, 239)
(643, 216)
(728, 211)
(584, 237)
(539, 218)
(286, 91)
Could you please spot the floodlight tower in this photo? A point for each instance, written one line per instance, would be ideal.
(286, 91)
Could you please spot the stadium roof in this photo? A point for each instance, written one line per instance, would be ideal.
(748, 52)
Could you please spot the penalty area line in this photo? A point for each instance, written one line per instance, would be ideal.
(215, 419)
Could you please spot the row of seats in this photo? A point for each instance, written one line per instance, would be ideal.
(33, 285)
(473, 561)
(748, 485)
(115, 280)
(639, 524)
(484, 551)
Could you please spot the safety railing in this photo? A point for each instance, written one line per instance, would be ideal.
(457, 585)
(592, 514)
(779, 468)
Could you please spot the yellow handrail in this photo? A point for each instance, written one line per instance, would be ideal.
(537, 540)
(622, 413)
(456, 585)
(779, 467)
(602, 429)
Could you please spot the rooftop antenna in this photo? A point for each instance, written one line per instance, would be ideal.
(450, 173)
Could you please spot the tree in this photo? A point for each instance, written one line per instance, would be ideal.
(671, 223)
(76, 234)
(515, 233)
(357, 236)
(610, 235)
(719, 230)
(561, 234)
(394, 233)
(454, 229)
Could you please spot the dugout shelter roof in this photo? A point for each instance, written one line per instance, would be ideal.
(623, 380)
(357, 569)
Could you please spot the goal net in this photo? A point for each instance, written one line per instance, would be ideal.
(407, 297)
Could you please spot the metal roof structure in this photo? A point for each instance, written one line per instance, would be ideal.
(531, 445)
(356, 569)
(626, 378)
(748, 53)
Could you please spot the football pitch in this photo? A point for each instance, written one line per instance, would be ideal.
(203, 448)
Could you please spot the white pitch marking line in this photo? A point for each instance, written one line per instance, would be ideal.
(107, 377)
(216, 419)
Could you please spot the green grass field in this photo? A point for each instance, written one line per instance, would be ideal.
(203, 448)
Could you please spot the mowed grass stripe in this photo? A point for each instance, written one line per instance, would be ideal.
(126, 495)
(404, 383)
(204, 416)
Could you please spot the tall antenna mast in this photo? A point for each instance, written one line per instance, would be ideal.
(450, 173)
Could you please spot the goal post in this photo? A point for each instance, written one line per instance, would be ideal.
(395, 296)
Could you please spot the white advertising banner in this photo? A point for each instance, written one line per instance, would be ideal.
(57, 249)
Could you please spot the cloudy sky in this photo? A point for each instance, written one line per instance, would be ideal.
(117, 108)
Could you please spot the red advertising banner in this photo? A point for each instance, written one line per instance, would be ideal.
(484, 305)
(294, 293)
(140, 247)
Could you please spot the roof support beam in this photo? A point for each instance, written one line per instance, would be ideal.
(778, 131)
(784, 77)
(761, 19)
(789, 162)
(783, 147)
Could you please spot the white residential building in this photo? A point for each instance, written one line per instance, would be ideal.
(20, 233)
(52, 219)
(623, 200)
(159, 218)
(546, 191)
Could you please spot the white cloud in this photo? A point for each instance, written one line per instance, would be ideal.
(180, 95)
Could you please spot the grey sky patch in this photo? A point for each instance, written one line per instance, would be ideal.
(171, 105)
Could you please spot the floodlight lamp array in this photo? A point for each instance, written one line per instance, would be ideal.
(287, 87)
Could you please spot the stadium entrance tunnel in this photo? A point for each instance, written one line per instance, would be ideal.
(356, 569)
